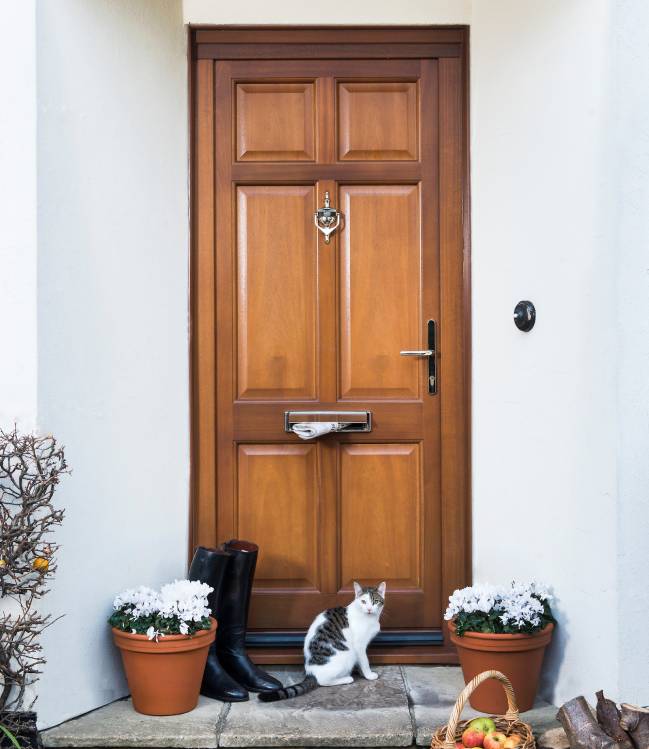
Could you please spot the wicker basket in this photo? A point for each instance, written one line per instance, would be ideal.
(445, 737)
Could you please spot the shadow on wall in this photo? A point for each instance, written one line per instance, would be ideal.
(554, 655)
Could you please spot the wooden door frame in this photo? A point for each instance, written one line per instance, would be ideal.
(450, 44)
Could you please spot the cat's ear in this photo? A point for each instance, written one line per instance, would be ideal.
(358, 589)
(381, 588)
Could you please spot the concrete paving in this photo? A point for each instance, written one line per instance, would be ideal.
(118, 724)
(365, 713)
(401, 708)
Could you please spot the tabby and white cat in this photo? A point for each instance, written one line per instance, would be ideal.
(337, 641)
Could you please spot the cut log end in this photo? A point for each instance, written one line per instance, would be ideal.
(608, 716)
(581, 726)
(635, 721)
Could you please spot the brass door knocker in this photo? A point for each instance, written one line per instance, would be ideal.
(327, 219)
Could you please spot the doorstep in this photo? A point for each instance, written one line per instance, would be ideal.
(400, 709)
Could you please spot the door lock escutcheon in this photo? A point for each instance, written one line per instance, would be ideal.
(429, 353)
(327, 219)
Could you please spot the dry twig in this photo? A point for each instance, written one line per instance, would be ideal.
(30, 469)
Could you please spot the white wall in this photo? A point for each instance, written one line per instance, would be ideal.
(629, 195)
(18, 214)
(113, 318)
(559, 430)
(296, 12)
(544, 406)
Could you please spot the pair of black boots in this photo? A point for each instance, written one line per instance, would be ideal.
(230, 569)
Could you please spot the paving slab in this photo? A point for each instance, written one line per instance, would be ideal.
(555, 738)
(432, 693)
(119, 725)
(365, 713)
(405, 703)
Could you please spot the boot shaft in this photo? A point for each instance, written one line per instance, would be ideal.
(211, 566)
(234, 603)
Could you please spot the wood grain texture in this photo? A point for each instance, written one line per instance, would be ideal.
(245, 421)
(381, 516)
(277, 292)
(275, 121)
(225, 250)
(203, 312)
(380, 291)
(326, 51)
(378, 121)
(278, 507)
(361, 35)
(453, 382)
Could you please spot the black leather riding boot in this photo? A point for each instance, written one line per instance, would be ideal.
(211, 566)
(233, 619)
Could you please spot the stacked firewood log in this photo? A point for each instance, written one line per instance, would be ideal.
(609, 727)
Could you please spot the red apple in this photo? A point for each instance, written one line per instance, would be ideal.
(459, 745)
(472, 737)
(494, 740)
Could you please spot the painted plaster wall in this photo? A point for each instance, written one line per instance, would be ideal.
(552, 452)
(113, 318)
(543, 411)
(629, 196)
(361, 12)
(18, 215)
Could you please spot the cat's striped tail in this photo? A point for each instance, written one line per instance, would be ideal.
(286, 693)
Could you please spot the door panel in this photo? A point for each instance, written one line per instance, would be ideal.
(278, 501)
(294, 323)
(377, 121)
(380, 291)
(277, 285)
(381, 501)
(275, 121)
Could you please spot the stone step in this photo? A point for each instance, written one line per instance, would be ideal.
(403, 707)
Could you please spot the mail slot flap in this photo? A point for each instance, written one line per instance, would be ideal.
(355, 421)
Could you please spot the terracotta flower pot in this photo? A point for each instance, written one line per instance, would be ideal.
(165, 676)
(519, 657)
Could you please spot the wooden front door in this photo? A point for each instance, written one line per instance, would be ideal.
(284, 321)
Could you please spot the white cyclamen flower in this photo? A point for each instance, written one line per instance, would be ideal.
(153, 634)
(517, 605)
(185, 599)
(140, 601)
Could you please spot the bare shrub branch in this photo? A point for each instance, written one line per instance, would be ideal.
(30, 469)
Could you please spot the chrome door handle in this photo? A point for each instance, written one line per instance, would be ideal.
(429, 353)
(425, 352)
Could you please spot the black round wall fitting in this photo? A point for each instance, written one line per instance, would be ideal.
(524, 316)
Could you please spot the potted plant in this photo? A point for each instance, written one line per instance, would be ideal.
(502, 628)
(164, 638)
(30, 469)
(7, 736)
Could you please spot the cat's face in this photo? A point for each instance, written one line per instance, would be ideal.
(370, 600)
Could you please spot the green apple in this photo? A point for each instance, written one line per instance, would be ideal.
(482, 724)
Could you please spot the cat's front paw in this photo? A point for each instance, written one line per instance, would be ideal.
(372, 676)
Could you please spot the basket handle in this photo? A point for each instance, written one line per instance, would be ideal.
(512, 707)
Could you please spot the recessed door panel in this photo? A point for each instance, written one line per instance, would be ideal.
(277, 292)
(275, 121)
(277, 506)
(381, 511)
(378, 121)
(380, 291)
